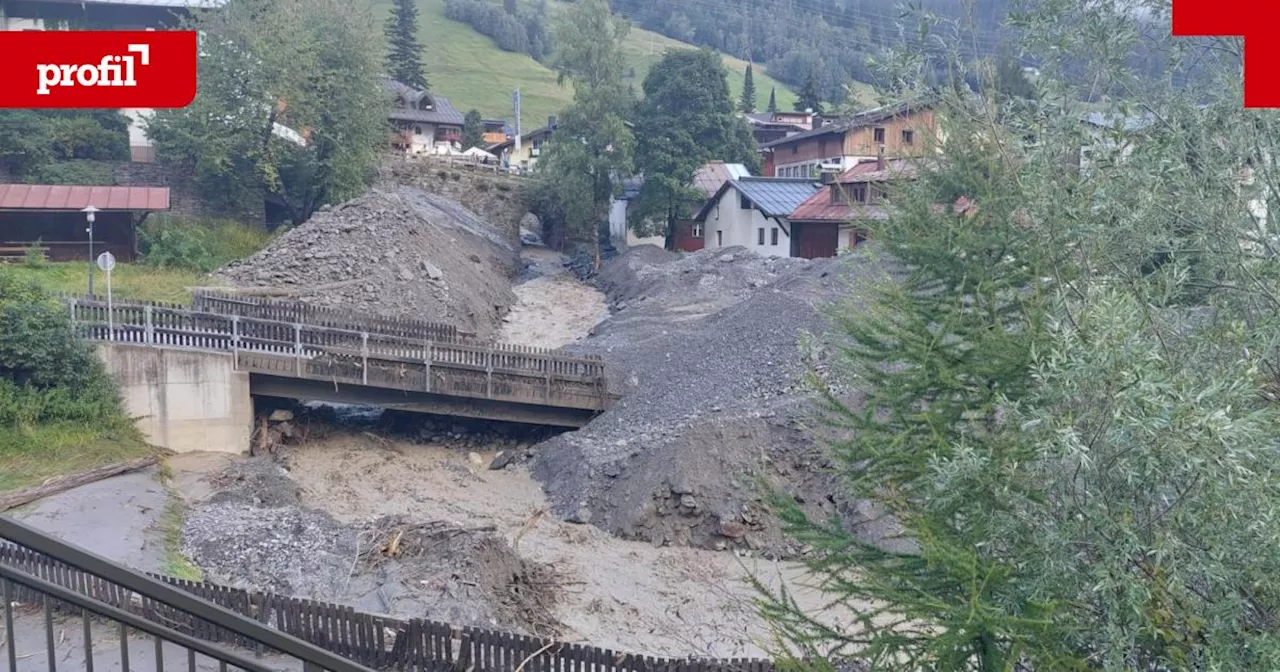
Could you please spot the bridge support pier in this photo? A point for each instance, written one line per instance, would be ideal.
(184, 400)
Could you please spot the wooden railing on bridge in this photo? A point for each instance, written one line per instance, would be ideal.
(453, 367)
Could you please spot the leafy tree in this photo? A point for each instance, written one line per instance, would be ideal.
(1074, 447)
(685, 119)
(472, 130)
(773, 99)
(809, 98)
(404, 58)
(747, 103)
(302, 64)
(592, 145)
(34, 143)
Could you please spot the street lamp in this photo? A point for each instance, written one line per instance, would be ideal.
(89, 215)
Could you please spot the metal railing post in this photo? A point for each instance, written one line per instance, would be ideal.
(297, 347)
(235, 332)
(364, 358)
(149, 325)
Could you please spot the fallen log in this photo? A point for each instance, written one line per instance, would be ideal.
(63, 483)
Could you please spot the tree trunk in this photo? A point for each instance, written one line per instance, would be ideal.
(63, 483)
(670, 238)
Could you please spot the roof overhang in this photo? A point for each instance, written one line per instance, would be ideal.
(66, 197)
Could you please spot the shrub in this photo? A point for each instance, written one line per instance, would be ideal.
(46, 373)
(200, 245)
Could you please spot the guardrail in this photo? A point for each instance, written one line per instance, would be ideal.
(299, 350)
(36, 569)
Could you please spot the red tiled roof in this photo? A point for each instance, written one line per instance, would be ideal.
(76, 197)
(819, 208)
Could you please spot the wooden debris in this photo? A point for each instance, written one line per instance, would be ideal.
(63, 483)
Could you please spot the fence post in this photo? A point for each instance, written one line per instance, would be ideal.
(297, 347)
(149, 331)
(235, 332)
(364, 358)
(72, 306)
(427, 360)
(488, 373)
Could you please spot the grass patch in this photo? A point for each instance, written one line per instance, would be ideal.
(169, 526)
(132, 281)
(34, 454)
(198, 244)
(472, 72)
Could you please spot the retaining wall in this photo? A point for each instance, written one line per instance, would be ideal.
(184, 400)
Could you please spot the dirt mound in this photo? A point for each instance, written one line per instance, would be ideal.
(392, 564)
(399, 253)
(499, 198)
(706, 351)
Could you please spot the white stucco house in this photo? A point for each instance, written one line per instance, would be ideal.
(754, 212)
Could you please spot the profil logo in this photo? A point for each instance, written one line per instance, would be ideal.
(1253, 20)
(97, 69)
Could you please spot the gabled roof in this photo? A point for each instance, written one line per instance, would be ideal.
(774, 196)
(859, 120)
(510, 142)
(713, 174)
(869, 171)
(441, 113)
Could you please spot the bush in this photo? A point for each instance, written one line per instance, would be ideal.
(200, 245)
(46, 373)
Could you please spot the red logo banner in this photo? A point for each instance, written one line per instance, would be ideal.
(97, 69)
(1253, 20)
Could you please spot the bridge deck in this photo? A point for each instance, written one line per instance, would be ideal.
(455, 367)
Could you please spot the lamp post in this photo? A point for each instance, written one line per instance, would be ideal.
(89, 216)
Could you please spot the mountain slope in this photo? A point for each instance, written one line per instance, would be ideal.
(472, 72)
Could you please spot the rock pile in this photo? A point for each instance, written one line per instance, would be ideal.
(401, 253)
(706, 350)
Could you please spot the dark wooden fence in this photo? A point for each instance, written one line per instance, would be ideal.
(277, 310)
(375, 641)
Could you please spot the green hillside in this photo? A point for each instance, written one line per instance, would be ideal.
(472, 72)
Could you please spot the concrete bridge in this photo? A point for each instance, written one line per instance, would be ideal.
(189, 372)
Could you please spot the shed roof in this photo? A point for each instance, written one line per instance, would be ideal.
(76, 197)
(774, 196)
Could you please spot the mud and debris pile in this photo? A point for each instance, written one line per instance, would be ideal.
(255, 534)
(708, 350)
(401, 252)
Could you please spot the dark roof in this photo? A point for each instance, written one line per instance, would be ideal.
(510, 142)
(441, 113)
(76, 197)
(774, 196)
(859, 120)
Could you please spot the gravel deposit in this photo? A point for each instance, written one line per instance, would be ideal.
(705, 350)
(401, 252)
(254, 534)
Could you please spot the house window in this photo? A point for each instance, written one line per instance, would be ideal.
(743, 202)
(773, 236)
(417, 130)
(877, 194)
(719, 238)
(879, 135)
(760, 236)
(858, 193)
(795, 149)
(908, 137)
(697, 230)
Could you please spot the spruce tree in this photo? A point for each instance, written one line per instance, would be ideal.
(773, 100)
(472, 130)
(809, 98)
(747, 103)
(404, 58)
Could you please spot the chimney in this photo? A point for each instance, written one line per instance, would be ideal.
(880, 158)
(815, 120)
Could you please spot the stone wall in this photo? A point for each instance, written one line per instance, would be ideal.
(498, 198)
(184, 195)
(184, 400)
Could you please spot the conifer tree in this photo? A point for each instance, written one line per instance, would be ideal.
(773, 100)
(404, 58)
(472, 130)
(747, 103)
(809, 98)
